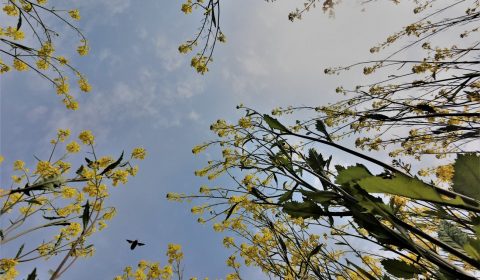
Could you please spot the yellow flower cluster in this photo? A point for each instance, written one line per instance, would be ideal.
(86, 137)
(139, 153)
(75, 14)
(147, 270)
(174, 253)
(46, 169)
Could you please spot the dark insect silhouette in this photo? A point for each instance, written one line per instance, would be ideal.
(134, 244)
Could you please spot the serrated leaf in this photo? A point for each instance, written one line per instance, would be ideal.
(450, 234)
(472, 248)
(400, 268)
(351, 174)
(412, 188)
(320, 196)
(274, 123)
(320, 126)
(306, 209)
(466, 179)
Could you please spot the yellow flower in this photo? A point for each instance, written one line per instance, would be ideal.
(187, 7)
(83, 49)
(71, 230)
(185, 48)
(18, 165)
(71, 104)
(174, 252)
(46, 50)
(69, 192)
(140, 275)
(62, 60)
(4, 68)
(62, 86)
(63, 134)
(16, 179)
(445, 172)
(8, 266)
(42, 64)
(19, 65)
(75, 14)
(139, 153)
(14, 33)
(102, 225)
(119, 175)
(109, 215)
(10, 10)
(228, 242)
(45, 249)
(42, 2)
(1, 159)
(84, 85)
(46, 169)
(73, 147)
(86, 137)
(245, 122)
(222, 38)
(167, 272)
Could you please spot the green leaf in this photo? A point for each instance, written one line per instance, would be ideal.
(306, 209)
(86, 215)
(33, 201)
(286, 196)
(378, 117)
(60, 224)
(282, 244)
(320, 196)
(400, 268)
(20, 251)
(19, 22)
(466, 179)
(52, 217)
(274, 123)
(412, 188)
(472, 248)
(450, 234)
(315, 251)
(32, 275)
(230, 212)
(361, 271)
(80, 170)
(320, 126)
(351, 174)
(113, 165)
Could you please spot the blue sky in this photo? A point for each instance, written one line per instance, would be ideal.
(146, 94)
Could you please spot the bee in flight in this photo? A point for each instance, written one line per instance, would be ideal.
(134, 244)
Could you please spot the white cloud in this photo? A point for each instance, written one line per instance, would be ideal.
(168, 54)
